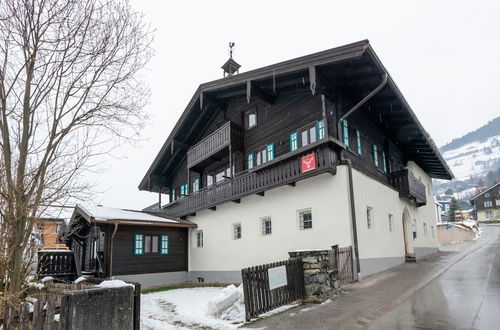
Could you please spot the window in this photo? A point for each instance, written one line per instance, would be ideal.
(391, 222)
(266, 226)
(497, 202)
(425, 229)
(184, 189)
(250, 160)
(487, 194)
(40, 233)
(308, 135)
(264, 154)
(369, 217)
(173, 195)
(210, 180)
(384, 164)
(489, 214)
(150, 244)
(358, 142)
(138, 244)
(305, 219)
(220, 176)
(196, 185)
(199, 238)
(375, 155)
(345, 133)
(294, 141)
(58, 228)
(321, 129)
(164, 244)
(488, 204)
(251, 118)
(236, 230)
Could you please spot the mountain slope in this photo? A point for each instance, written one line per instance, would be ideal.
(492, 128)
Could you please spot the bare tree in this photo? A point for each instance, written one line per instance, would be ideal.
(70, 89)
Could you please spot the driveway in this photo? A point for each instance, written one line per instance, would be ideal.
(458, 288)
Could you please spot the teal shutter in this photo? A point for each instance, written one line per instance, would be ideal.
(294, 141)
(384, 164)
(185, 189)
(358, 141)
(270, 151)
(375, 155)
(345, 133)
(321, 129)
(164, 244)
(138, 244)
(250, 160)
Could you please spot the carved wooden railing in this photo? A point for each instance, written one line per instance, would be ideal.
(217, 140)
(409, 186)
(58, 264)
(283, 170)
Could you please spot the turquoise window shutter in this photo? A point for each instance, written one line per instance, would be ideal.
(294, 143)
(321, 129)
(358, 141)
(138, 244)
(270, 151)
(250, 160)
(375, 155)
(164, 244)
(345, 133)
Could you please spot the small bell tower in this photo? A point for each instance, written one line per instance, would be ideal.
(231, 66)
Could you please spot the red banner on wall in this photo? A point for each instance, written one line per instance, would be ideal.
(308, 163)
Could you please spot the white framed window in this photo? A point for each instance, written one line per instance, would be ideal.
(489, 214)
(497, 202)
(196, 185)
(236, 230)
(199, 238)
(488, 204)
(266, 226)
(369, 217)
(425, 229)
(391, 223)
(305, 219)
(251, 118)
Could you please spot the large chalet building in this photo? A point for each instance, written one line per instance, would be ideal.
(304, 154)
(487, 204)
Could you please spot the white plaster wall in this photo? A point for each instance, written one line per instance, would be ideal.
(325, 194)
(379, 242)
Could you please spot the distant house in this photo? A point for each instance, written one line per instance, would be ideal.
(307, 153)
(127, 244)
(487, 204)
(46, 233)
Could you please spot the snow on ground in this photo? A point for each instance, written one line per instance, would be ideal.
(202, 307)
(113, 284)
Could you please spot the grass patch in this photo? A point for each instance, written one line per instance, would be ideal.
(184, 286)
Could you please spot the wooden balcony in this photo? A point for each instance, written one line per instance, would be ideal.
(228, 135)
(409, 186)
(283, 170)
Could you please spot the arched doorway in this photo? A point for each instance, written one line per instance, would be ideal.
(407, 232)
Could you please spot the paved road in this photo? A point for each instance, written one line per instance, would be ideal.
(458, 288)
(466, 296)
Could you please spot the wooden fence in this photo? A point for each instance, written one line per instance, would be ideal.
(259, 298)
(58, 264)
(341, 258)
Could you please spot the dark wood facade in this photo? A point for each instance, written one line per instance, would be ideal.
(488, 199)
(205, 160)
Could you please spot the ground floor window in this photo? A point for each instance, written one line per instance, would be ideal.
(150, 244)
(138, 244)
(489, 214)
(266, 226)
(236, 230)
(199, 238)
(305, 219)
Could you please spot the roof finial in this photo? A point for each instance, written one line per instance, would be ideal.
(231, 66)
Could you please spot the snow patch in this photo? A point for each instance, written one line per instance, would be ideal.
(80, 279)
(47, 279)
(37, 285)
(113, 284)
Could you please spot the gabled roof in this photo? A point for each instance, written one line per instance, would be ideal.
(481, 193)
(114, 215)
(356, 65)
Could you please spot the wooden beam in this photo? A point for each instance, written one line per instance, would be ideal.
(312, 79)
(261, 193)
(192, 214)
(237, 201)
(207, 101)
(291, 184)
(213, 208)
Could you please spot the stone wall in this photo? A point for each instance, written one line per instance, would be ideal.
(320, 277)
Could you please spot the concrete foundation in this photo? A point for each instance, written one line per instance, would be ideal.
(376, 265)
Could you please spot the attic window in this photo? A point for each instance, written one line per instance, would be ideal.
(251, 118)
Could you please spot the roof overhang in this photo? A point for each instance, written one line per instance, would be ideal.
(353, 68)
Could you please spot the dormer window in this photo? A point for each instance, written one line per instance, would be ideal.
(251, 118)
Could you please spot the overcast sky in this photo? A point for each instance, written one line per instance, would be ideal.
(443, 55)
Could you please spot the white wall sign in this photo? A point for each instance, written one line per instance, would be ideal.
(277, 277)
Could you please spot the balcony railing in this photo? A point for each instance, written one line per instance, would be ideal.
(409, 186)
(280, 171)
(226, 135)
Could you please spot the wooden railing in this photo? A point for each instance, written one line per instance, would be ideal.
(222, 137)
(58, 264)
(283, 170)
(409, 186)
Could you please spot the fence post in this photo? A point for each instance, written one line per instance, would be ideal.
(24, 316)
(335, 249)
(353, 277)
(137, 306)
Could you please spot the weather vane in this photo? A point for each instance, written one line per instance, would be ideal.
(231, 45)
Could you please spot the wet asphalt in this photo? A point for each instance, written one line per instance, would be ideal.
(457, 288)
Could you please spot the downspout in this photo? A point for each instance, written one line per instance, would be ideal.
(349, 167)
(111, 251)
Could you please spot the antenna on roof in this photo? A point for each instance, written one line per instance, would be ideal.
(231, 66)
